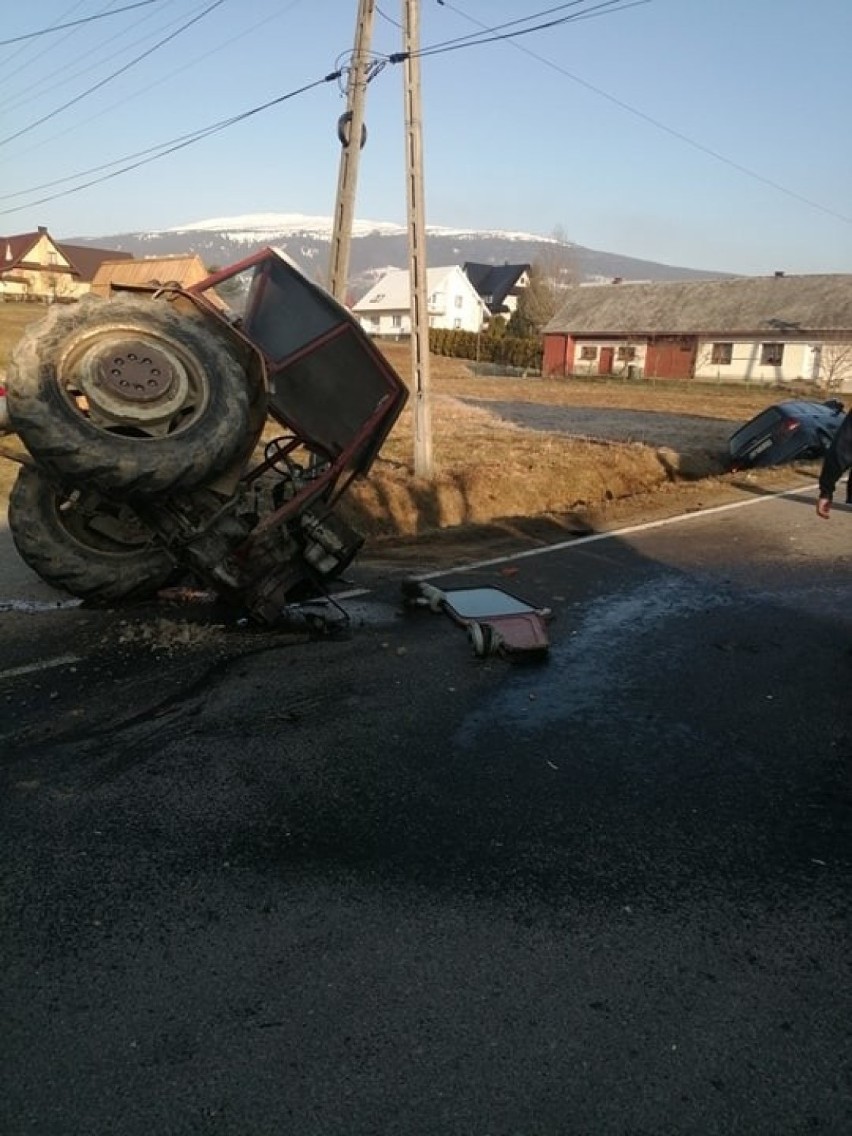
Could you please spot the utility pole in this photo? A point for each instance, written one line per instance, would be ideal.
(417, 240)
(352, 134)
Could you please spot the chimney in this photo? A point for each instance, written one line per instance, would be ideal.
(42, 229)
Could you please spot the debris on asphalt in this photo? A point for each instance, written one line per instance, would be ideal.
(496, 622)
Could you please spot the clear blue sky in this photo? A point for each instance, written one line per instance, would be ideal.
(580, 128)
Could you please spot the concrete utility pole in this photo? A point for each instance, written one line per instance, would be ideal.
(352, 135)
(417, 240)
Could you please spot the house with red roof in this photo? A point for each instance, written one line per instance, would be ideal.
(36, 268)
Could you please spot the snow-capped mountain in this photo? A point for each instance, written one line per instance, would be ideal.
(266, 227)
(377, 246)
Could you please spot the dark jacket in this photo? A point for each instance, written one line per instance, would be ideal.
(837, 460)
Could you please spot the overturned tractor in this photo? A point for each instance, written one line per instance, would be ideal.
(207, 432)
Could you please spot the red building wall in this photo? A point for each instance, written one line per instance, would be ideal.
(558, 359)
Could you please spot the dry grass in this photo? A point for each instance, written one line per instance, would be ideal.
(487, 469)
(734, 402)
(14, 318)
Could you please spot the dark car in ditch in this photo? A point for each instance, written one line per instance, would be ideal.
(785, 432)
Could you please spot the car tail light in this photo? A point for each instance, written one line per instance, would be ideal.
(788, 426)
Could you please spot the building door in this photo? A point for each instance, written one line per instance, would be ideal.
(605, 361)
(671, 357)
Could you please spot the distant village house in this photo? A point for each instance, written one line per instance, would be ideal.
(499, 285)
(453, 303)
(775, 329)
(36, 268)
(181, 270)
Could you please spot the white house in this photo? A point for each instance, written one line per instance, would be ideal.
(453, 303)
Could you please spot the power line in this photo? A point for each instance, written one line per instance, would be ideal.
(115, 74)
(63, 76)
(493, 34)
(389, 19)
(662, 126)
(28, 60)
(145, 90)
(160, 150)
(599, 9)
(76, 23)
(193, 135)
(172, 146)
(497, 33)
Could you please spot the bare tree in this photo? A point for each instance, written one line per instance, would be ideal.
(835, 364)
(552, 272)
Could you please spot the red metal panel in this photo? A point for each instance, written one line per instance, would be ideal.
(558, 359)
(671, 358)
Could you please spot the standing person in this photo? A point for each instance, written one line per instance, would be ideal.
(837, 460)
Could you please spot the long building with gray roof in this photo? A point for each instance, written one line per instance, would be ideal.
(763, 329)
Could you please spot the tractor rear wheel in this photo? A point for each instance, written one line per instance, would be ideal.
(92, 547)
(130, 396)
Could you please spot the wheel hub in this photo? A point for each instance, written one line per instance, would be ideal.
(131, 381)
(137, 372)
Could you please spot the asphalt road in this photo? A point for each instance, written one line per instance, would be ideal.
(254, 886)
(682, 432)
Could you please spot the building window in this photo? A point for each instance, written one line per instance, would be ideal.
(396, 321)
(459, 300)
(456, 324)
(722, 353)
(625, 353)
(588, 352)
(771, 354)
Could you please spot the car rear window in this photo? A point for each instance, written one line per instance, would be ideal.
(763, 424)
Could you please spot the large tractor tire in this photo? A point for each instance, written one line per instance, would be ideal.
(92, 547)
(129, 396)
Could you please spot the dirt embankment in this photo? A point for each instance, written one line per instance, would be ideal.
(527, 454)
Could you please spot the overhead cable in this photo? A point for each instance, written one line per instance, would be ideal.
(150, 85)
(497, 33)
(114, 75)
(171, 147)
(662, 126)
(76, 23)
(63, 76)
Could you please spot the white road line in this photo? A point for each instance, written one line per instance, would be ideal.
(42, 665)
(30, 606)
(577, 542)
